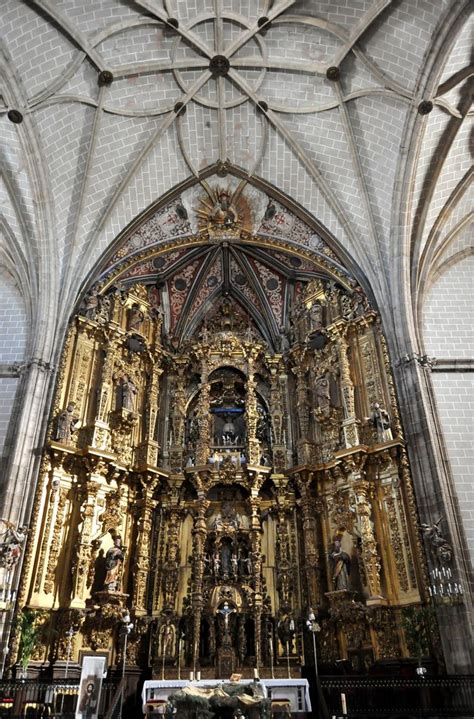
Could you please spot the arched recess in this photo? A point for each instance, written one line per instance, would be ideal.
(218, 277)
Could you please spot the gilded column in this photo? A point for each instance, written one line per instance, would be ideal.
(199, 542)
(146, 506)
(253, 445)
(350, 422)
(303, 444)
(82, 557)
(101, 429)
(203, 444)
(178, 418)
(147, 453)
(256, 558)
(277, 415)
(311, 553)
(370, 555)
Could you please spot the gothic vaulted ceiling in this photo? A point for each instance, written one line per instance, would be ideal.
(359, 111)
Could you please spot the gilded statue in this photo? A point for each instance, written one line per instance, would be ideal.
(66, 424)
(341, 564)
(113, 564)
(11, 545)
(380, 419)
(223, 214)
(128, 392)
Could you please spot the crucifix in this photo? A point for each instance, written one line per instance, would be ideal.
(226, 610)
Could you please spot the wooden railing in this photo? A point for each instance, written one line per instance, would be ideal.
(400, 698)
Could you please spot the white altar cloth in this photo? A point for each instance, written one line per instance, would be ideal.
(296, 690)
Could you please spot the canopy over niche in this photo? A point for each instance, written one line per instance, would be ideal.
(220, 253)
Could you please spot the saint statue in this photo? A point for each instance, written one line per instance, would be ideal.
(66, 424)
(11, 546)
(128, 393)
(323, 394)
(113, 563)
(223, 214)
(380, 419)
(341, 563)
(166, 639)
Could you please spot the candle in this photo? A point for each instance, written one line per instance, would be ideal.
(255, 673)
(198, 676)
(191, 676)
(343, 703)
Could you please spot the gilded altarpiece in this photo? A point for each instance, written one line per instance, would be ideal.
(220, 472)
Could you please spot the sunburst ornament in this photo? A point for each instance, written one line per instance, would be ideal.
(221, 215)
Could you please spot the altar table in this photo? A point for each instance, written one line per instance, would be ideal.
(156, 692)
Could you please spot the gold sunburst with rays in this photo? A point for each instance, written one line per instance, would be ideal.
(221, 213)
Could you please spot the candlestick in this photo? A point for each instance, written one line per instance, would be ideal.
(343, 704)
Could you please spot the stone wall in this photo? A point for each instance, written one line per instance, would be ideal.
(448, 334)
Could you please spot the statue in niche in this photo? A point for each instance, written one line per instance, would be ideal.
(283, 343)
(128, 392)
(341, 564)
(193, 428)
(286, 632)
(316, 317)
(90, 305)
(113, 564)
(380, 419)
(166, 639)
(226, 557)
(235, 564)
(323, 393)
(66, 424)
(135, 318)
